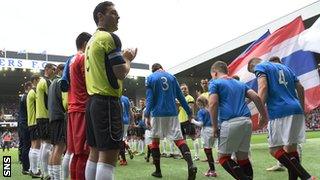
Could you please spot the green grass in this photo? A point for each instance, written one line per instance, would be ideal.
(176, 168)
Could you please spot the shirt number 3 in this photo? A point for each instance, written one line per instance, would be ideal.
(165, 85)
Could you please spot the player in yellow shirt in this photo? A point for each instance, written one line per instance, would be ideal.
(42, 116)
(187, 127)
(34, 152)
(105, 68)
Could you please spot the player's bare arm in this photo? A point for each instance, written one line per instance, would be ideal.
(213, 110)
(262, 111)
(300, 92)
(263, 88)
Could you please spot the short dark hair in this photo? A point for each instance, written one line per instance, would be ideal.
(252, 60)
(49, 65)
(236, 77)
(183, 84)
(27, 85)
(275, 59)
(60, 67)
(156, 67)
(35, 77)
(220, 66)
(100, 8)
(142, 99)
(82, 39)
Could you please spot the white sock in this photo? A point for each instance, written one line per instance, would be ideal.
(91, 168)
(130, 143)
(171, 147)
(30, 155)
(45, 158)
(104, 171)
(50, 171)
(56, 172)
(299, 149)
(139, 145)
(135, 145)
(65, 165)
(35, 160)
(40, 155)
(196, 147)
(142, 146)
(164, 146)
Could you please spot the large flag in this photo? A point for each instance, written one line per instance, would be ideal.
(284, 44)
(309, 39)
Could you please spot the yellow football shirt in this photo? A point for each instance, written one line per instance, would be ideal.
(31, 107)
(183, 116)
(100, 53)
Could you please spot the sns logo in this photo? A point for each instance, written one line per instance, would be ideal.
(6, 166)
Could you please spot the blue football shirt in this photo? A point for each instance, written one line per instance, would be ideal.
(125, 109)
(232, 94)
(162, 91)
(203, 115)
(282, 98)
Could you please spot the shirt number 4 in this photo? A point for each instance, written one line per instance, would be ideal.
(282, 78)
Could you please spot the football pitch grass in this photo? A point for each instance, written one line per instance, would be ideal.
(175, 169)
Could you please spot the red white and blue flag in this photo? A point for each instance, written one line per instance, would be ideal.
(284, 44)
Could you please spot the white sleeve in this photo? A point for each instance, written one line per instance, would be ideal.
(197, 123)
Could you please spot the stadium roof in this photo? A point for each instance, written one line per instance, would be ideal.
(12, 79)
(198, 67)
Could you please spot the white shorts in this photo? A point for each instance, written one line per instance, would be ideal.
(125, 131)
(287, 130)
(147, 137)
(207, 137)
(235, 135)
(166, 127)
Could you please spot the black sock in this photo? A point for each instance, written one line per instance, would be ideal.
(156, 158)
(246, 167)
(233, 168)
(292, 164)
(149, 152)
(208, 152)
(292, 174)
(122, 151)
(185, 151)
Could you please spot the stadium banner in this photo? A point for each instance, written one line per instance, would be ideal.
(284, 44)
(24, 63)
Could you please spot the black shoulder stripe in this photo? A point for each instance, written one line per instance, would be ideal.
(116, 40)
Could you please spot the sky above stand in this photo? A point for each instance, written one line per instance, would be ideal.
(164, 31)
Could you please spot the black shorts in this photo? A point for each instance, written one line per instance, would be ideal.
(6, 144)
(187, 128)
(104, 122)
(34, 132)
(43, 125)
(58, 131)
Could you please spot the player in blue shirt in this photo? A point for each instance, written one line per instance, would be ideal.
(127, 116)
(162, 91)
(278, 87)
(204, 120)
(229, 110)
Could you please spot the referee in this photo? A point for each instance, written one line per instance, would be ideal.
(105, 68)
